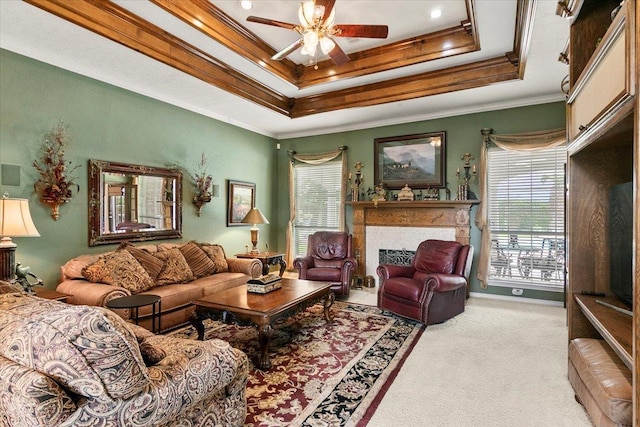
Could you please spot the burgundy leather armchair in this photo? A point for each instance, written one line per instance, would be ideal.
(329, 258)
(433, 288)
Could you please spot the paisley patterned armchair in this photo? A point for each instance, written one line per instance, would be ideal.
(65, 365)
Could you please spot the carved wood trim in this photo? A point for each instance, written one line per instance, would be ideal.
(443, 214)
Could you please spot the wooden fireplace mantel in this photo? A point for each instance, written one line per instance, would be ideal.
(424, 213)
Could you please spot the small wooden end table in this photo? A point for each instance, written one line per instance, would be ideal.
(268, 259)
(137, 301)
(50, 294)
(236, 305)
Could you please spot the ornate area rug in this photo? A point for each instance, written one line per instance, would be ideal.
(322, 374)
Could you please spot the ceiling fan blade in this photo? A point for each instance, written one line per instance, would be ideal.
(368, 31)
(271, 22)
(287, 50)
(338, 56)
(328, 7)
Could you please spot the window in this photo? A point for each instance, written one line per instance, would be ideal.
(526, 216)
(317, 190)
(150, 196)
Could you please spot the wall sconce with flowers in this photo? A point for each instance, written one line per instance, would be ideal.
(203, 185)
(55, 183)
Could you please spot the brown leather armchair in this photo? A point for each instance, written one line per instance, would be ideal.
(329, 258)
(433, 288)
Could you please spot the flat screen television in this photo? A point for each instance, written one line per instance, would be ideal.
(621, 241)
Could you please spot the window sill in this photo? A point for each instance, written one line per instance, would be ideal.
(505, 283)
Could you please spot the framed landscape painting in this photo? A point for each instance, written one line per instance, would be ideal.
(414, 160)
(242, 197)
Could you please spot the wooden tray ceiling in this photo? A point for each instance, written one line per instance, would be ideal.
(122, 26)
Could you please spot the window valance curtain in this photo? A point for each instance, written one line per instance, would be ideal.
(313, 159)
(516, 142)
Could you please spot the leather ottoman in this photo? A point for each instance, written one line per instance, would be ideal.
(601, 381)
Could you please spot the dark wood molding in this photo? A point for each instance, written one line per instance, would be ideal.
(462, 77)
(116, 23)
(524, 28)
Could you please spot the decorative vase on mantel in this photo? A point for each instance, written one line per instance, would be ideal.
(199, 200)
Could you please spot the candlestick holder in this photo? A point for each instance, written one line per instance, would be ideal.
(468, 175)
(355, 187)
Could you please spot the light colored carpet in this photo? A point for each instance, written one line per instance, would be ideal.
(500, 363)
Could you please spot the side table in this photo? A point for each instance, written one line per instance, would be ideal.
(50, 294)
(137, 301)
(268, 259)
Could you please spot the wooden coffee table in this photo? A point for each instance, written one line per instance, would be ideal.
(262, 310)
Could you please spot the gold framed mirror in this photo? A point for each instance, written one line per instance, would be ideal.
(133, 203)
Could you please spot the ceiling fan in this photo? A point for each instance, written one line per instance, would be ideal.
(317, 28)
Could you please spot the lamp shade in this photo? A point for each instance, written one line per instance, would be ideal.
(15, 219)
(255, 217)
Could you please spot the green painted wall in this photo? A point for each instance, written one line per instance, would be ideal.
(108, 123)
(463, 135)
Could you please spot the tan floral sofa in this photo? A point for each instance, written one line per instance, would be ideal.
(66, 365)
(178, 273)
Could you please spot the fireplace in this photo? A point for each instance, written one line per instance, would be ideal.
(401, 226)
(395, 256)
(396, 240)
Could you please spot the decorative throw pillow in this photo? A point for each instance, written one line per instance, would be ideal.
(201, 265)
(121, 269)
(151, 354)
(217, 255)
(147, 260)
(175, 270)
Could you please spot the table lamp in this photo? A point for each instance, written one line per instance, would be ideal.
(255, 217)
(15, 221)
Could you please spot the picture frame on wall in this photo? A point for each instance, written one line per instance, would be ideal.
(418, 161)
(241, 199)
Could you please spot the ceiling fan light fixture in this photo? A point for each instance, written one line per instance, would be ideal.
(326, 45)
(246, 4)
(309, 13)
(316, 28)
(310, 43)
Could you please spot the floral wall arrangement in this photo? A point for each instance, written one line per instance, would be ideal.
(203, 183)
(54, 187)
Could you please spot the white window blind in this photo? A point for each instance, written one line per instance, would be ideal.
(526, 214)
(317, 200)
(150, 195)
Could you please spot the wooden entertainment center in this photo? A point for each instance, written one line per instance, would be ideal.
(604, 150)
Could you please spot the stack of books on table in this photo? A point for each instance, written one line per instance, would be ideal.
(264, 284)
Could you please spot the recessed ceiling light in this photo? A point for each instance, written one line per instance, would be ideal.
(246, 4)
(436, 13)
